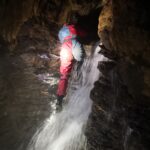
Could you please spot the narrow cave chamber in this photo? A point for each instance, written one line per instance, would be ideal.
(29, 70)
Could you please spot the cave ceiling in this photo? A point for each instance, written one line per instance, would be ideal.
(14, 13)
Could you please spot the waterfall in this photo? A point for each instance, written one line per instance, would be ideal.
(65, 130)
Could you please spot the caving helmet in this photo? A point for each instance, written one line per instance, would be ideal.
(67, 32)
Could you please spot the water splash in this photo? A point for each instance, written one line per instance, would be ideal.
(65, 130)
(127, 138)
(48, 78)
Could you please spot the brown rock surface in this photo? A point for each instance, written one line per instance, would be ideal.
(120, 117)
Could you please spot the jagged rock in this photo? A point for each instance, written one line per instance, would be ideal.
(120, 116)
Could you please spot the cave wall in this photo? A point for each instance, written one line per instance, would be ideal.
(12, 16)
(120, 117)
(120, 113)
(126, 30)
(128, 34)
(14, 13)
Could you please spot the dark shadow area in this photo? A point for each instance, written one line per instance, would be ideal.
(3, 46)
(90, 24)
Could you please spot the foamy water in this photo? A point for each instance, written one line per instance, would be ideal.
(65, 130)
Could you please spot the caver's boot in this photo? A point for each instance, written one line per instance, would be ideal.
(59, 103)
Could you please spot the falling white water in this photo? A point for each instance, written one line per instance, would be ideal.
(65, 130)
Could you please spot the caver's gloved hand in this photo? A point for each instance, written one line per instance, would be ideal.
(59, 102)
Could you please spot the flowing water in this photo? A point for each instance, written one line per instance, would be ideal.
(65, 130)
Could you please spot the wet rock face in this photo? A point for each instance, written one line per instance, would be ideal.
(20, 96)
(25, 95)
(123, 28)
(127, 26)
(120, 116)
